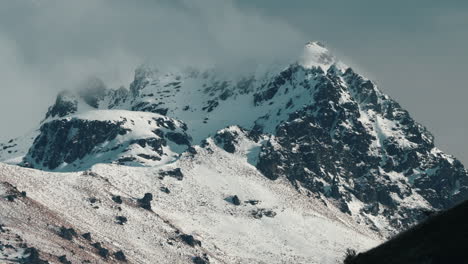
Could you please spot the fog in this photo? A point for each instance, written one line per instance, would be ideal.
(50, 45)
(415, 51)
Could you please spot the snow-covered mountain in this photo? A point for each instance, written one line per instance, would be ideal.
(317, 143)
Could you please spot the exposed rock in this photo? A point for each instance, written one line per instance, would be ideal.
(201, 260)
(117, 199)
(227, 140)
(56, 143)
(233, 199)
(211, 104)
(145, 202)
(179, 138)
(63, 259)
(119, 255)
(121, 219)
(64, 105)
(331, 148)
(32, 257)
(259, 213)
(67, 233)
(103, 252)
(11, 197)
(190, 240)
(176, 173)
(87, 236)
(252, 202)
(165, 190)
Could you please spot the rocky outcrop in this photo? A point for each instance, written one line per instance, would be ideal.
(77, 143)
(65, 104)
(66, 141)
(354, 143)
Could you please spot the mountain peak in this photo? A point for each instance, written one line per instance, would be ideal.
(315, 54)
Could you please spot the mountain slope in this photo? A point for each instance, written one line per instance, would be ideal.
(273, 223)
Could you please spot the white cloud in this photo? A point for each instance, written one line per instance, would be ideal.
(50, 45)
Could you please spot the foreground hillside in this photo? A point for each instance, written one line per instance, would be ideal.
(440, 239)
(234, 214)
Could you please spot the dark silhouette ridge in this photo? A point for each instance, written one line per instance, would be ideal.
(442, 238)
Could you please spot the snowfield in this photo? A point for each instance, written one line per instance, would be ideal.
(303, 230)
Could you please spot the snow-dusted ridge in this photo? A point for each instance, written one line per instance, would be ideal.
(330, 157)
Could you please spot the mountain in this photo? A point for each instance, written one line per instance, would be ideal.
(340, 149)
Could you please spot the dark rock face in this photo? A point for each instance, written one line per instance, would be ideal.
(331, 148)
(179, 138)
(67, 233)
(64, 105)
(87, 236)
(211, 104)
(32, 257)
(176, 173)
(190, 240)
(103, 252)
(152, 108)
(155, 144)
(65, 141)
(121, 219)
(252, 202)
(259, 213)
(73, 143)
(233, 199)
(119, 255)
(92, 91)
(145, 202)
(63, 259)
(201, 260)
(227, 140)
(117, 199)
(117, 97)
(165, 190)
(283, 78)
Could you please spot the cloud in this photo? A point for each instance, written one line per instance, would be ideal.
(50, 45)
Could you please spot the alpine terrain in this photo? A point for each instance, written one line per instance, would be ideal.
(290, 163)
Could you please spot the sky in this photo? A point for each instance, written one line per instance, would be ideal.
(414, 50)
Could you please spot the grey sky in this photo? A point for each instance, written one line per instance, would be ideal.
(415, 50)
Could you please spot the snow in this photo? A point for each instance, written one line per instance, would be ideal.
(303, 231)
(13, 151)
(316, 55)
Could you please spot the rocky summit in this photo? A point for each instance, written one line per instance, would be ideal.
(314, 137)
